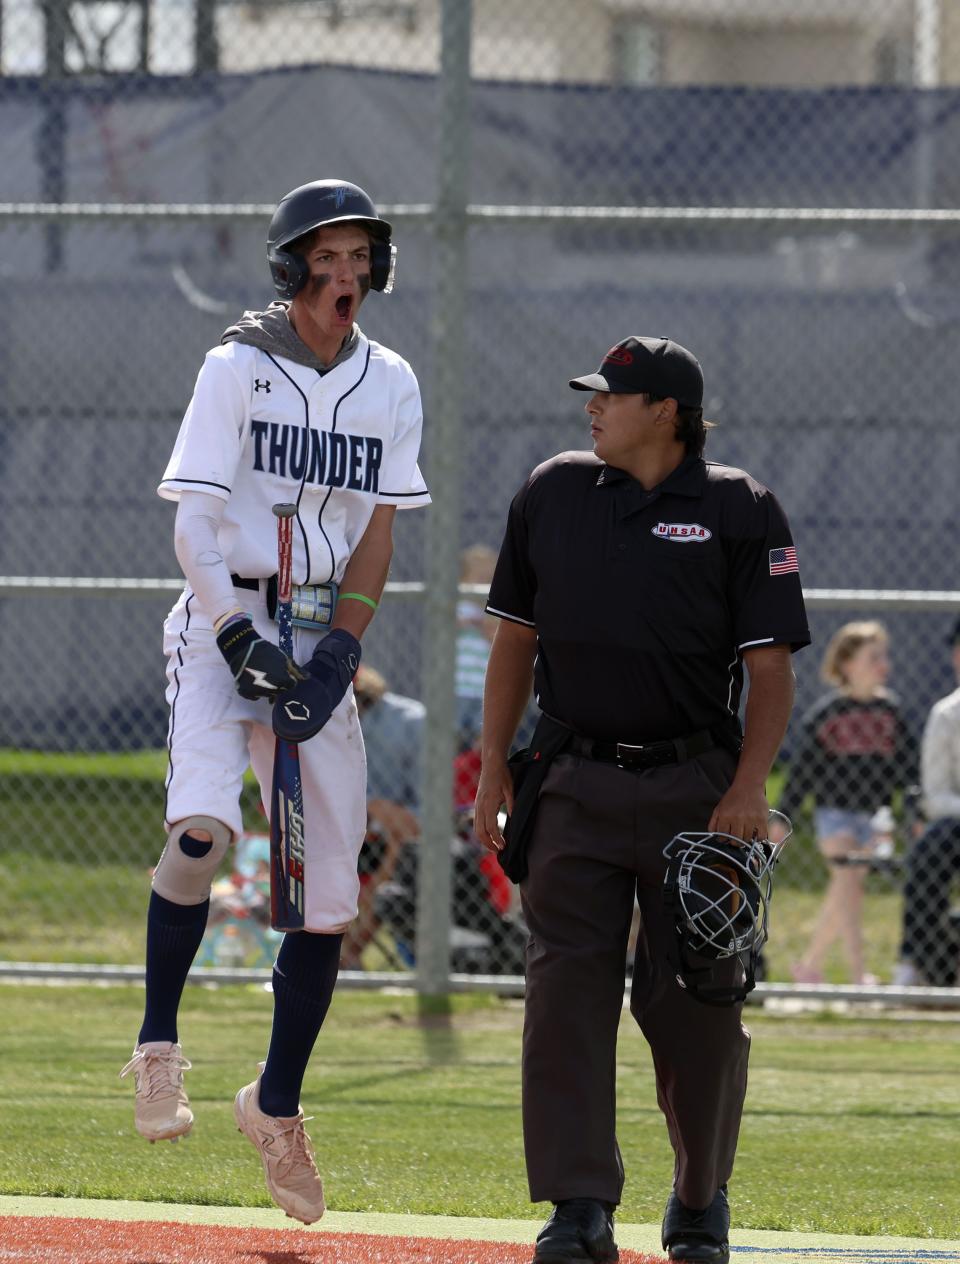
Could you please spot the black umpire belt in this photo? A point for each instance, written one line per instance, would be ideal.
(313, 604)
(646, 755)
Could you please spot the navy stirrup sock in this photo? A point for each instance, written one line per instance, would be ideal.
(303, 981)
(174, 932)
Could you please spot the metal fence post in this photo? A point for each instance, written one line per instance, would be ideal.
(51, 138)
(206, 48)
(926, 78)
(443, 476)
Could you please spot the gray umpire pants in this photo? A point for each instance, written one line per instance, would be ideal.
(598, 839)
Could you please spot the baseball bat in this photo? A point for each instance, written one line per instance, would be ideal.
(287, 859)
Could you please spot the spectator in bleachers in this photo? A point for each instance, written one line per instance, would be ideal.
(929, 948)
(393, 734)
(392, 727)
(466, 782)
(475, 629)
(854, 751)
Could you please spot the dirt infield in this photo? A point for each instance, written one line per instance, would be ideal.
(60, 1240)
(36, 1230)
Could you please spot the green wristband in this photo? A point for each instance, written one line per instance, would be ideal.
(367, 601)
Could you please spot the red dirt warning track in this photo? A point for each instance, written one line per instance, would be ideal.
(61, 1240)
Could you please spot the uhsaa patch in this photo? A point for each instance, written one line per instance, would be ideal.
(682, 532)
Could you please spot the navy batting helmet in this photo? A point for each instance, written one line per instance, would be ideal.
(320, 203)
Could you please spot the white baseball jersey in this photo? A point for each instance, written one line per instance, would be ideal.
(261, 429)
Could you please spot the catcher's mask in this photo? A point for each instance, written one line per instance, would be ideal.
(312, 206)
(717, 890)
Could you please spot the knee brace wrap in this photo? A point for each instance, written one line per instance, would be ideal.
(183, 878)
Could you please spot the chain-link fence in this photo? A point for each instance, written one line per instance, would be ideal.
(773, 185)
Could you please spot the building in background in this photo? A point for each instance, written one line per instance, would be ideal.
(658, 42)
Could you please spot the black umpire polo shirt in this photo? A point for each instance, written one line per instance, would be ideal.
(644, 602)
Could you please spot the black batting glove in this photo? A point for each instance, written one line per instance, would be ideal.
(304, 711)
(260, 668)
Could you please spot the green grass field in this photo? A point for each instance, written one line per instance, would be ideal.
(79, 835)
(850, 1125)
(80, 832)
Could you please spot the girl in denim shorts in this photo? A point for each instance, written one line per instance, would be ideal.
(854, 751)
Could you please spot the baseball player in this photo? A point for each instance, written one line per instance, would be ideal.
(295, 405)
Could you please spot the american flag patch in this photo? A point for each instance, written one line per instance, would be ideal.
(783, 560)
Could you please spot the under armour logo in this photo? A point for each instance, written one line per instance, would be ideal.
(264, 385)
(296, 710)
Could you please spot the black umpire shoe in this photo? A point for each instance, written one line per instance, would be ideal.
(579, 1229)
(698, 1237)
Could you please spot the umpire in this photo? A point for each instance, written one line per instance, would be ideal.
(633, 585)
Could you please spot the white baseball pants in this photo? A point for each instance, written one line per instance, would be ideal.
(214, 735)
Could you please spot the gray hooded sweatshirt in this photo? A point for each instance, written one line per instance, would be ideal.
(271, 331)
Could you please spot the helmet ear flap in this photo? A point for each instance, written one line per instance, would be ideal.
(289, 272)
(383, 263)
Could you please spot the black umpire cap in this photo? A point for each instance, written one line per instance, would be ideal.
(649, 366)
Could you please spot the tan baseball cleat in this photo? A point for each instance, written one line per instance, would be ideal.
(163, 1110)
(287, 1155)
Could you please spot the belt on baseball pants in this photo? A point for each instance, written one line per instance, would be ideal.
(646, 754)
(313, 604)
